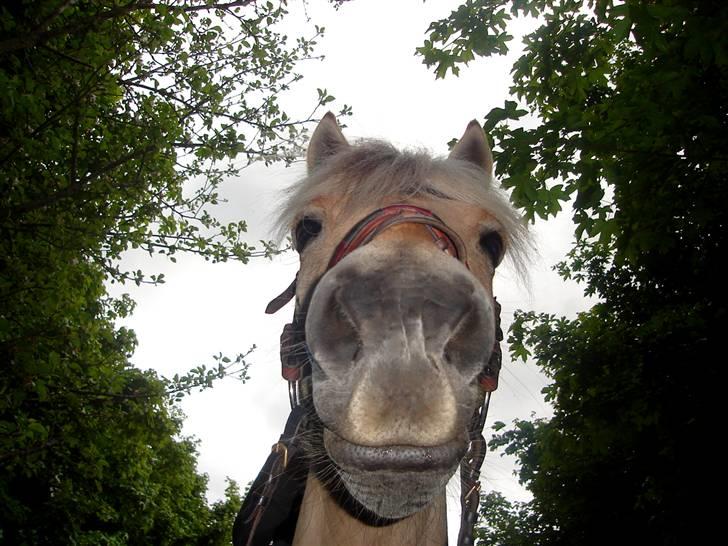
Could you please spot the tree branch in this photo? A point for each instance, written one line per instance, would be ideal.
(42, 33)
(77, 188)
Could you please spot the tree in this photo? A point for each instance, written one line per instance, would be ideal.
(118, 120)
(629, 122)
(506, 523)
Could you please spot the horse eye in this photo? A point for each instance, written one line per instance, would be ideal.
(492, 244)
(306, 230)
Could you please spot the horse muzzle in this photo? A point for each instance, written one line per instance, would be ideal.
(396, 353)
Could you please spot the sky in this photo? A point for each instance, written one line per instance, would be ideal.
(204, 308)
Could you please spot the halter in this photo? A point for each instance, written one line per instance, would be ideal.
(258, 523)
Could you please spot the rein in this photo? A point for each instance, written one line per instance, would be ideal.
(270, 510)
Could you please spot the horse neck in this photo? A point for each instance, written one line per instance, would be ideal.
(322, 522)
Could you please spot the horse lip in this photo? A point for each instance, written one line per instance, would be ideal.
(403, 458)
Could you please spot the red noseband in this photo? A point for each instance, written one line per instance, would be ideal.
(379, 220)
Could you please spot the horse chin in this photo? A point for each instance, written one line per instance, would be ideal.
(393, 495)
(393, 482)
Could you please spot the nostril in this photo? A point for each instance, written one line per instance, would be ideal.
(446, 354)
(348, 329)
(359, 349)
(334, 337)
(342, 316)
(470, 342)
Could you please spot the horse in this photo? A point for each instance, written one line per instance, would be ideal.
(393, 351)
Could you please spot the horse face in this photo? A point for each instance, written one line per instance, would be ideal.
(398, 332)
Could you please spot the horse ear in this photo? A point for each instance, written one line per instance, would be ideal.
(326, 141)
(473, 146)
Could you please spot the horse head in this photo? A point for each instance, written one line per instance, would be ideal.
(396, 324)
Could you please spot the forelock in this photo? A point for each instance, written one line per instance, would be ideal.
(372, 170)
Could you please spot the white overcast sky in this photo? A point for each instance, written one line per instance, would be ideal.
(204, 308)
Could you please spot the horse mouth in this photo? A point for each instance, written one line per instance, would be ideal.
(402, 458)
(396, 481)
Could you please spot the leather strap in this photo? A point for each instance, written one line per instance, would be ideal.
(270, 510)
(379, 220)
(283, 298)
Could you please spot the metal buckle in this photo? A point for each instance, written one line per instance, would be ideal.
(294, 393)
(281, 449)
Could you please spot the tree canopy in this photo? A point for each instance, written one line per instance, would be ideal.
(620, 110)
(118, 120)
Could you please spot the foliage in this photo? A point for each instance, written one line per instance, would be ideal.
(507, 523)
(629, 117)
(118, 120)
(223, 515)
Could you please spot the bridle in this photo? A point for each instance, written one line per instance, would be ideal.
(277, 485)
